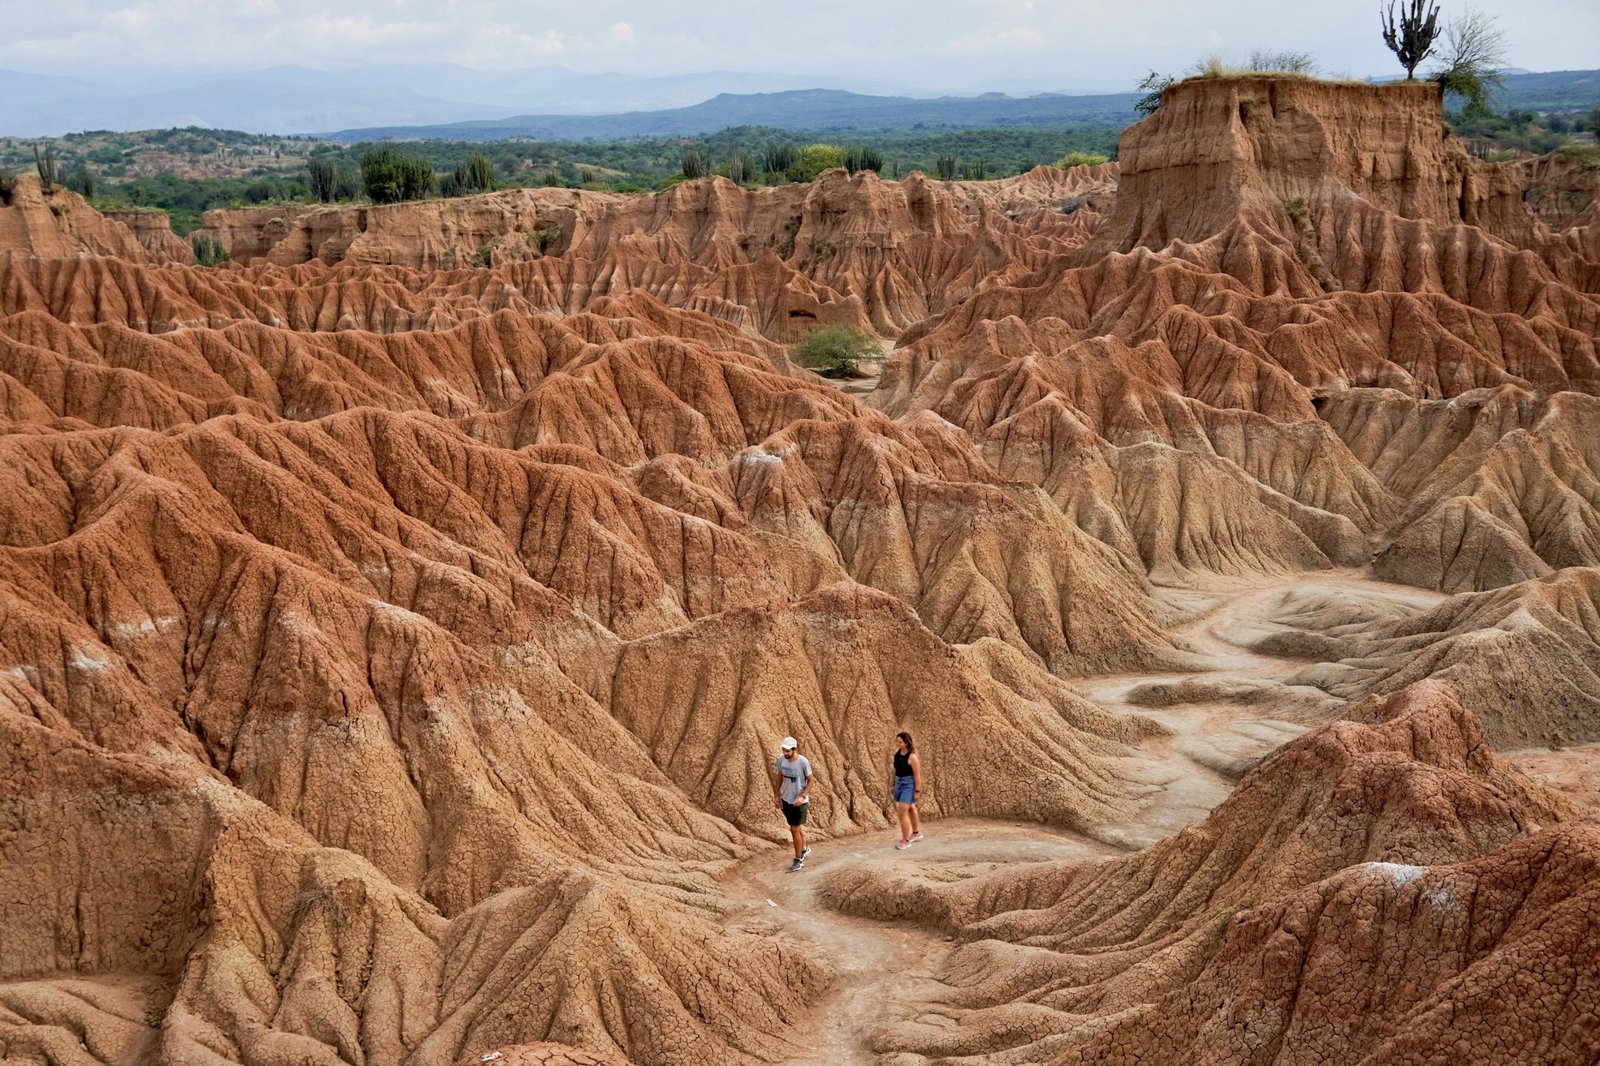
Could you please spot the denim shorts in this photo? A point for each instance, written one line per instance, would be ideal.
(905, 790)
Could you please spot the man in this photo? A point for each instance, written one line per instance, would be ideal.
(792, 783)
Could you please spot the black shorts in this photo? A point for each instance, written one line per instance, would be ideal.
(795, 813)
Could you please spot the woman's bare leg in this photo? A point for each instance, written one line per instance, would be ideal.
(905, 820)
(916, 823)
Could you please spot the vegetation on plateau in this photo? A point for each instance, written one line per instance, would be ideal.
(1468, 51)
(183, 172)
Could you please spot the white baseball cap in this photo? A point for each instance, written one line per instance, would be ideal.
(789, 744)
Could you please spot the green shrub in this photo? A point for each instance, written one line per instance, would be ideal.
(1271, 62)
(81, 181)
(348, 187)
(836, 351)
(858, 158)
(391, 175)
(1470, 61)
(546, 238)
(476, 174)
(208, 251)
(1585, 155)
(1081, 159)
(1153, 86)
(813, 159)
(322, 176)
(1281, 61)
(778, 156)
(695, 164)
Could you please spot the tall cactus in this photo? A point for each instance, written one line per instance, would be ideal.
(49, 169)
(1412, 37)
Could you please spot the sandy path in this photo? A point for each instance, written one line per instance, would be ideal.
(886, 971)
(1215, 740)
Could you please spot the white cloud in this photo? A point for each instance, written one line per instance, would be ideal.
(909, 42)
(1022, 39)
(346, 32)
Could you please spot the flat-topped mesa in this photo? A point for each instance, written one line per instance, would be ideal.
(711, 221)
(850, 249)
(59, 224)
(153, 230)
(1219, 147)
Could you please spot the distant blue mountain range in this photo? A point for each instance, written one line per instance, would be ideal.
(287, 100)
(805, 109)
(376, 101)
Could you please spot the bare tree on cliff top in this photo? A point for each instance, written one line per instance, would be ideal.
(1412, 38)
(1470, 61)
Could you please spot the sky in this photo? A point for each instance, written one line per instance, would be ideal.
(941, 45)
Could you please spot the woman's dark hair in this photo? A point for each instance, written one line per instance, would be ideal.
(910, 747)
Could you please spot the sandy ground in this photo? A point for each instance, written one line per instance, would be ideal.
(886, 971)
(1241, 712)
(1574, 770)
(1227, 717)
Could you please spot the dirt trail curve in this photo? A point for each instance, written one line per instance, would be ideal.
(1228, 716)
(886, 970)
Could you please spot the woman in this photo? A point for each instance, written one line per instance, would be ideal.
(906, 786)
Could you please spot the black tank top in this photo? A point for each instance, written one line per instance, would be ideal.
(902, 764)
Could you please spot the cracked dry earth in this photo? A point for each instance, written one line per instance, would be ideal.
(392, 652)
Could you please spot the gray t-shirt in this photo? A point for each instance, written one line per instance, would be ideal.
(796, 772)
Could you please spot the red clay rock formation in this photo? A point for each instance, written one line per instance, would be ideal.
(851, 249)
(540, 1055)
(1527, 656)
(1298, 918)
(415, 634)
(346, 646)
(153, 230)
(1282, 253)
(59, 223)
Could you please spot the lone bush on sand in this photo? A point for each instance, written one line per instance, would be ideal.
(836, 351)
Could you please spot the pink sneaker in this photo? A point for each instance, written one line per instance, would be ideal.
(914, 838)
(901, 845)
